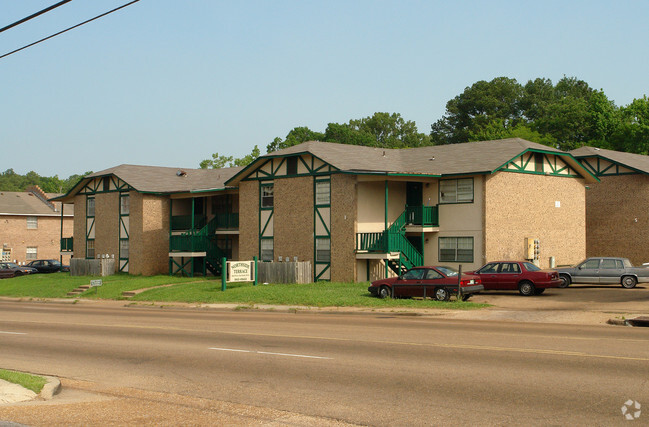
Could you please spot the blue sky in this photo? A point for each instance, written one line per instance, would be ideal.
(168, 82)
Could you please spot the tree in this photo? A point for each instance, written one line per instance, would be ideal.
(219, 161)
(632, 133)
(295, 136)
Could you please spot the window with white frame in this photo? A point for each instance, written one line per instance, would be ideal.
(90, 206)
(123, 249)
(267, 196)
(323, 192)
(456, 190)
(124, 204)
(323, 250)
(90, 248)
(32, 222)
(267, 250)
(32, 253)
(456, 249)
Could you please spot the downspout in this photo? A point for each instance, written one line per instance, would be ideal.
(61, 239)
(387, 238)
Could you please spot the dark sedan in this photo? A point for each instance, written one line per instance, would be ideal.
(512, 275)
(435, 282)
(9, 269)
(48, 266)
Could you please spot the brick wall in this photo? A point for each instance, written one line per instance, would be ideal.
(616, 218)
(46, 238)
(149, 234)
(293, 218)
(343, 227)
(107, 225)
(549, 208)
(248, 219)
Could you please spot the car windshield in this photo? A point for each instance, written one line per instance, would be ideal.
(448, 271)
(531, 267)
(11, 265)
(54, 262)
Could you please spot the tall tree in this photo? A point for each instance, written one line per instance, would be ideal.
(219, 161)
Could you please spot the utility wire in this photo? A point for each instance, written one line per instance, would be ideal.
(68, 29)
(54, 6)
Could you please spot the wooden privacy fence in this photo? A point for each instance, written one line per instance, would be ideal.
(92, 267)
(285, 272)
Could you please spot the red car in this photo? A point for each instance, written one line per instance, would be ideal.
(522, 275)
(435, 282)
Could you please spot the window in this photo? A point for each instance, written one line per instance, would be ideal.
(90, 206)
(106, 182)
(291, 166)
(433, 275)
(123, 249)
(323, 250)
(510, 267)
(456, 190)
(415, 274)
(32, 252)
(322, 192)
(124, 205)
(456, 249)
(267, 197)
(90, 248)
(591, 264)
(489, 268)
(267, 252)
(32, 222)
(538, 162)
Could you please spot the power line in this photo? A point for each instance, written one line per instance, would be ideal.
(68, 29)
(54, 6)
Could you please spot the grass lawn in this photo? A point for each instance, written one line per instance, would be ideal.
(208, 290)
(30, 382)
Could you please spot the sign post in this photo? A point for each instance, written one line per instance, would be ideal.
(96, 284)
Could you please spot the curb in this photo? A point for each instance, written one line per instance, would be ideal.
(617, 322)
(51, 388)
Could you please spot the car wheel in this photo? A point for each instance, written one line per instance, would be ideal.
(466, 297)
(526, 288)
(565, 281)
(384, 292)
(442, 294)
(539, 291)
(629, 282)
(18, 273)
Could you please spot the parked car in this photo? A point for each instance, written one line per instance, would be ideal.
(48, 266)
(436, 282)
(512, 275)
(9, 269)
(604, 270)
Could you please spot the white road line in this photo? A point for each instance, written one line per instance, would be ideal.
(272, 354)
(13, 333)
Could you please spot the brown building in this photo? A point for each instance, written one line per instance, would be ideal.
(616, 216)
(355, 213)
(31, 227)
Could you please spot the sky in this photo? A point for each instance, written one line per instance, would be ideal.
(168, 82)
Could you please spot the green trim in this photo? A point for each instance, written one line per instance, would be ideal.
(249, 170)
(504, 168)
(599, 172)
(317, 216)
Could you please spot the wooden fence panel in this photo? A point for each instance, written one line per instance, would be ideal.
(92, 267)
(285, 272)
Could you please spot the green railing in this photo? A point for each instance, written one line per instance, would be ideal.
(225, 221)
(67, 244)
(184, 222)
(187, 243)
(422, 215)
(388, 241)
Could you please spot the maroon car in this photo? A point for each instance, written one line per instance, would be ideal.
(434, 282)
(512, 275)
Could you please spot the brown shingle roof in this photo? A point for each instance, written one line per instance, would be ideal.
(638, 162)
(438, 160)
(26, 203)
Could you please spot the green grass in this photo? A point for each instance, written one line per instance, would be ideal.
(208, 290)
(30, 382)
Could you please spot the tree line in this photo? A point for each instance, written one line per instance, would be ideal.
(565, 115)
(12, 181)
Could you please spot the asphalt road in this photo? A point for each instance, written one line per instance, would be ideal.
(370, 369)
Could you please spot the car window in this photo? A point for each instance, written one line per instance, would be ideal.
(619, 264)
(530, 267)
(432, 274)
(489, 268)
(413, 274)
(448, 271)
(509, 267)
(608, 263)
(591, 264)
(627, 263)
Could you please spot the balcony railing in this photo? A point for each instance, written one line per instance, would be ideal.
(187, 243)
(426, 216)
(227, 221)
(67, 244)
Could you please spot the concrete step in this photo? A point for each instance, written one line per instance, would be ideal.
(128, 294)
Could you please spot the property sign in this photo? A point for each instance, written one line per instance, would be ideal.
(240, 271)
(94, 283)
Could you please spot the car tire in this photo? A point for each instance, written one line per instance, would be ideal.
(628, 282)
(538, 291)
(384, 292)
(565, 280)
(441, 294)
(526, 288)
(466, 297)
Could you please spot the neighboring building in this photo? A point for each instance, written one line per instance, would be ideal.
(31, 227)
(616, 207)
(156, 220)
(356, 213)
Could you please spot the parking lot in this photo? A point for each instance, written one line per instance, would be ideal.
(579, 304)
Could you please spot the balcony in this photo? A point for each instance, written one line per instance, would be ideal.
(187, 243)
(423, 216)
(67, 244)
(184, 222)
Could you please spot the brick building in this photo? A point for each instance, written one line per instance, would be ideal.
(31, 227)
